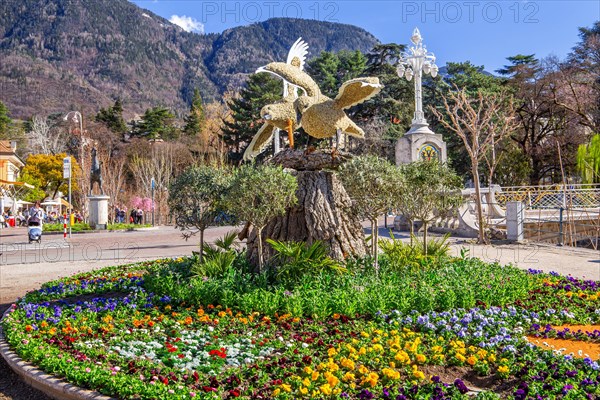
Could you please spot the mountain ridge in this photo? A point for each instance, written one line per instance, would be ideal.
(76, 54)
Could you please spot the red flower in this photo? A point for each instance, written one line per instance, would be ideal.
(234, 393)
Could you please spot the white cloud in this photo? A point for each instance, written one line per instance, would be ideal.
(188, 24)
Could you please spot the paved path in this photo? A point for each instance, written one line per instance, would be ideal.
(25, 267)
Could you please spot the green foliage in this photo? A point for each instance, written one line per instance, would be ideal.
(77, 227)
(5, 120)
(369, 181)
(260, 90)
(453, 283)
(400, 255)
(194, 199)
(112, 117)
(297, 259)
(194, 121)
(259, 193)
(394, 105)
(425, 190)
(157, 123)
(588, 160)
(217, 259)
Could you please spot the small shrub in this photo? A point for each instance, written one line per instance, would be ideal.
(296, 259)
(401, 255)
(217, 259)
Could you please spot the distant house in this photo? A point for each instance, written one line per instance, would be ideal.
(10, 162)
(10, 165)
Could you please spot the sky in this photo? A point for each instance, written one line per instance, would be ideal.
(483, 32)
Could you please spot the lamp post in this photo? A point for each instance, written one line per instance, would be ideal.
(77, 117)
(414, 63)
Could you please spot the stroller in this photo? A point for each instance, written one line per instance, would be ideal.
(34, 229)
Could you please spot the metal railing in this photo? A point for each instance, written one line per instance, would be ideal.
(551, 196)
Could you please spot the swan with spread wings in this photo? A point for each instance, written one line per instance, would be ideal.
(319, 116)
(281, 115)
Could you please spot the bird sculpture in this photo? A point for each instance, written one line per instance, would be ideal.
(281, 115)
(319, 116)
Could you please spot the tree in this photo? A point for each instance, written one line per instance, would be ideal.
(45, 172)
(5, 120)
(161, 162)
(588, 161)
(424, 190)
(45, 137)
(157, 123)
(260, 90)
(195, 120)
(479, 122)
(394, 105)
(473, 79)
(112, 118)
(194, 199)
(259, 193)
(369, 180)
(324, 70)
(543, 124)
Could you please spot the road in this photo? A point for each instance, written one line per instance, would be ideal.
(25, 266)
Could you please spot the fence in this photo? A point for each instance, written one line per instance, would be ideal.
(561, 214)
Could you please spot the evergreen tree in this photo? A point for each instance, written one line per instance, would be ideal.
(394, 105)
(5, 120)
(325, 71)
(260, 90)
(194, 122)
(157, 123)
(112, 117)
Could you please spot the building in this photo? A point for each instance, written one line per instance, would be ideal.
(10, 166)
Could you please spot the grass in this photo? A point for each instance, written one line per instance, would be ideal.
(80, 227)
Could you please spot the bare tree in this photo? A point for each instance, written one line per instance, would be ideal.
(114, 173)
(45, 138)
(159, 163)
(479, 122)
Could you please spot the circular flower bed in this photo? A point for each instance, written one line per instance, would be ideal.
(107, 331)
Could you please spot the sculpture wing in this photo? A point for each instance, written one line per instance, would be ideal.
(259, 141)
(297, 58)
(356, 91)
(292, 75)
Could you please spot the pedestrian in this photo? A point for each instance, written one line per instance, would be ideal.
(132, 216)
(140, 215)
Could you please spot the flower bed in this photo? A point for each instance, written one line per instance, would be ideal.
(109, 331)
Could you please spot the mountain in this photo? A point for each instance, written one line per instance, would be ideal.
(59, 55)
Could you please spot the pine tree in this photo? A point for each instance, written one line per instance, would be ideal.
(157, 123)
(112, 117)
(5, 120)
(260, 90)
(324, 70)
(194, 122)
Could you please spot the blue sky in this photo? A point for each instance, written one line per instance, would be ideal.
(484, 32)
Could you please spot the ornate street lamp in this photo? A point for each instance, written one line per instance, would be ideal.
(414, 63)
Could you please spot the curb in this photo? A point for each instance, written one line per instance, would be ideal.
(51, 386)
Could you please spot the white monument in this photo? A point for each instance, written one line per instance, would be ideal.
(419, 143)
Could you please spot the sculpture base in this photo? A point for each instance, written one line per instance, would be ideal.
(419, 146)
(98, 211)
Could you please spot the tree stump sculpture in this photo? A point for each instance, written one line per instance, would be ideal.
(324, 210)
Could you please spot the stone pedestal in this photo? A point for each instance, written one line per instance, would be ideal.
(515, 217)
(98, 211)
(420, 146)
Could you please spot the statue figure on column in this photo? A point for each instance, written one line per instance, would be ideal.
(95, 172)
